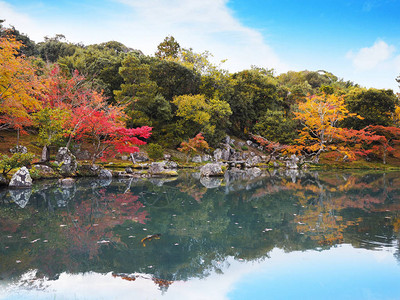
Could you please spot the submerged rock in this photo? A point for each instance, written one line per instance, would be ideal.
(21, 178)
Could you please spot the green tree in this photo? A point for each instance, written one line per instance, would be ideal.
(376, 107)
(169, 48)
(277, 127)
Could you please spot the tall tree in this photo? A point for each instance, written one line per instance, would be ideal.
(20, 87)
(169, 48)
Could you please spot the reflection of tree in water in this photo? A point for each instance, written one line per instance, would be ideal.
(200, 228)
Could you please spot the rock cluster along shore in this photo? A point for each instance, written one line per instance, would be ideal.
(227, 157)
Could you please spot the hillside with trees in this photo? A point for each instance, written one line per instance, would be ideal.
(115, 98)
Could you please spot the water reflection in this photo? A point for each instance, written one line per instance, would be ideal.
(206, 225)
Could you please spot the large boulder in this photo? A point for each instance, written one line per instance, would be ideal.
(206, 157)
(43, 171)
(139, 157)
(88, 170)
(105, 174)
(158, 169)
(217, 154)
(292, 163)
(21, 179)
(196, 159)
(67, 162)
(211, 169)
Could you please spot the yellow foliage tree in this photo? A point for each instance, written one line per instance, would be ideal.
(320, 116)
(19, 86)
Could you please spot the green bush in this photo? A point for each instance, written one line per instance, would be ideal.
(17, 160)
(245, 148)
(155, 151)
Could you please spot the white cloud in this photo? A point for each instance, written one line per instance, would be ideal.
(371, 57)
(200, 24)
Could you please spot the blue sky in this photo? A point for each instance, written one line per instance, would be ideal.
(356, 40)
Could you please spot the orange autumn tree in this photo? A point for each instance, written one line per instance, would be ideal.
(20, 87)
(320, 116)
(193, 145)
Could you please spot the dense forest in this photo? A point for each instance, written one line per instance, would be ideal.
(117, 98)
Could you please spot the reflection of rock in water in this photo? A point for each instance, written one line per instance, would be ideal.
(211, 182)
(101, 182)
(21, 197)
(161, 181)
(67, 193)
(196, 175)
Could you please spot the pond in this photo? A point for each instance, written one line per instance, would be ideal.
(285, 235)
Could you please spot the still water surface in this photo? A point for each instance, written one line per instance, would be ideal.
(282, 236)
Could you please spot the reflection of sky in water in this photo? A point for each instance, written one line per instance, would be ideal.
(342, 272)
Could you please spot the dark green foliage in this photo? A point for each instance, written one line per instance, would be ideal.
(375, 106)
(53, 48)
(276, 127)
(155, 151)
(253, 93)
(174, 79)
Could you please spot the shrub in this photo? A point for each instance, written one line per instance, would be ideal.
(245, 148)
(17, 160)
(155, 151)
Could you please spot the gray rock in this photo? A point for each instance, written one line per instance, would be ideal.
(128, 170)
(171, 165)
(157, 168)
(226, 153)
(66, 182)
(124, 157)
(196, 159)
(21, 197)
(249, 143)
(167, 156)
(241, 144)
(211, 182)
(276, 165)
(19, 149)
(254, 172)
(67, 162)
(206, 157)
(211, 169)
(44, 171)
(21, 178)
(292, 162)
(105, 174)
(88, 170)
(139, 157)
(217, 154)
(227, 140)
